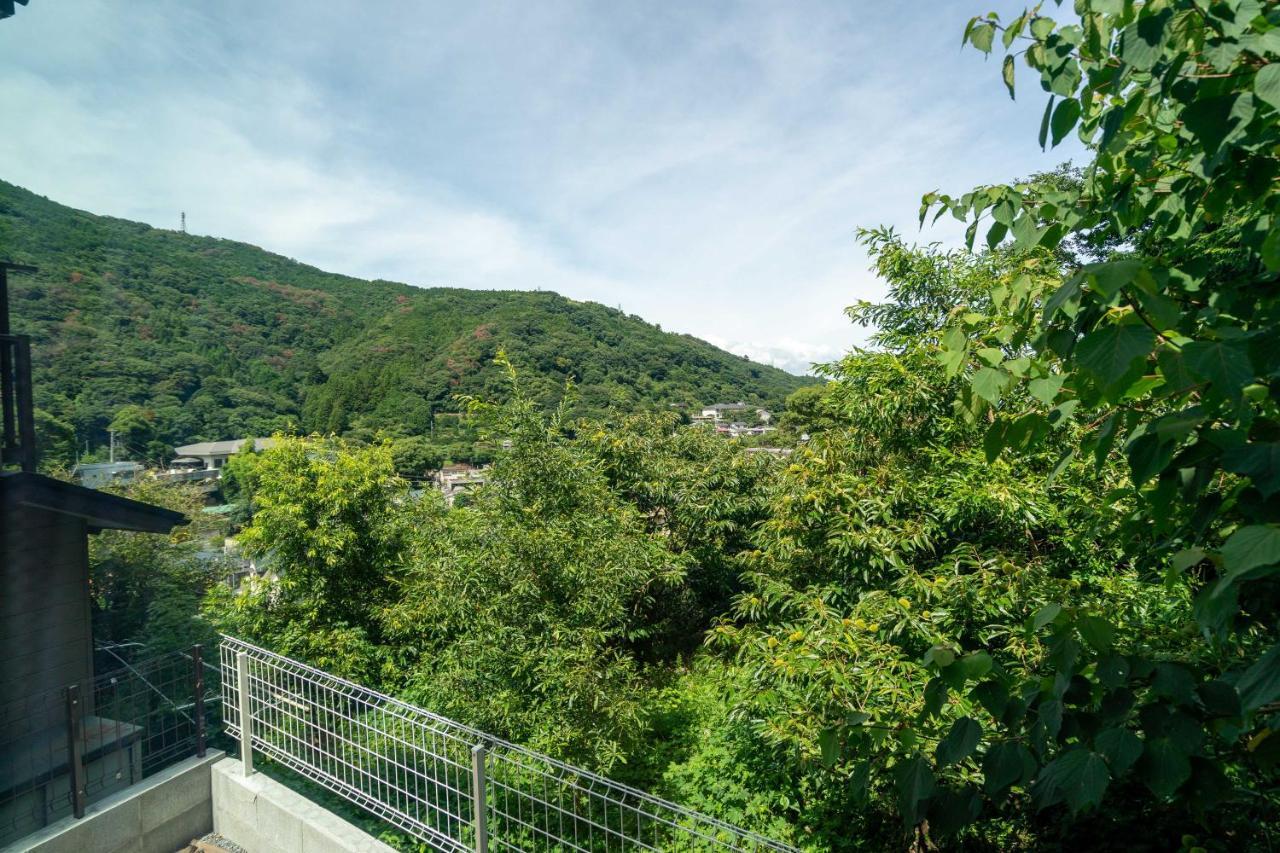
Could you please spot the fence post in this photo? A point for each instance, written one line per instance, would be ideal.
(75, 748)
(246, 714)
(197, 660)
(480, 811)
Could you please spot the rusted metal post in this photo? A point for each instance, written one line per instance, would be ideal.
(75, 749)
(197, 661)
(246, 713)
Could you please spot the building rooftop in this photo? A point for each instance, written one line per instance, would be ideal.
(102, 510)
(222, 448)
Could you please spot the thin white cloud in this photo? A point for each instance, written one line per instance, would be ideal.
(703, 166)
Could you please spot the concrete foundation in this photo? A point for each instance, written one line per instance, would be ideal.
(158, 815)
(263, 816)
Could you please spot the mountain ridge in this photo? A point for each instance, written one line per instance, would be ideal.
(171, 337)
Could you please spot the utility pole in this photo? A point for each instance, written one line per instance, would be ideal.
(112, 435)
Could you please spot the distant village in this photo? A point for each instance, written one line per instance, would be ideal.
(204, 460)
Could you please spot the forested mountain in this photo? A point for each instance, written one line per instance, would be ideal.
(175, 337)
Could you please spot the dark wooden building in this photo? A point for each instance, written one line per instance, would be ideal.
(48, 722)
(45, 637)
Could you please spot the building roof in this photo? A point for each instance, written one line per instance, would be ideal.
(726, 407)
(222, 448)
(102, 510)
(83, 467)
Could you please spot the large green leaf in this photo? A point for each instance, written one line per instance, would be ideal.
(1109, 352)
(1141, 41)
(1164, 766)
(1064, 119)
(1006, 763)
(960, 741)
(1121, 748)
(1266, 84)
(1097, 632)
(1210, 120)
(1109, 277)
(1078, 777)
(989, 383)
(1251, 548)
(953, 809)
(1225, 365)
(829, 744)
(1259, 462)
(915, 784)
(1260, 684)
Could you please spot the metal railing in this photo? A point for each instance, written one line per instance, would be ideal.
(64, 749)
(443, 783)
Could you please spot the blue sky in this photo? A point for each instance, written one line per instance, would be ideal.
(703, 165)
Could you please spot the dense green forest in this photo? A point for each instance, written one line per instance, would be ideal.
(1020, 590)
(171, 338)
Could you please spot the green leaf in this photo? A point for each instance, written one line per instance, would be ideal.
(1187, 558)
(1251, 548)
(1026, 233)
(1210, 120)
(974, 665)
(955, 348)
(1108, 278)
(994, 440)
(960, 741)
(829, 743)
(1064, 119)
(1006, 763)
(1046, 389)
(1078, 777)
(991, 355)
(1225, 365)
(1164, 766)
(1120, 747)
(939, 656)
(981, 36)
(1064, 298)
(1044, 123)
(952, 810)
(1098, 633)
(1006, 72)
(1260, 684)
(1148, 456)
(1266, 84)
(1112, 671)
(992, 696)
(914, 781)
(1259, 462)
(1110, 351)
(1045, 615)
(1141, 41)
(989, 384)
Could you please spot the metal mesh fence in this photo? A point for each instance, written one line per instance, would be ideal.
(451, 786)
(64, 749)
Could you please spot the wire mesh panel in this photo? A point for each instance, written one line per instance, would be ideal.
(35, 758)
(64, 749)
(447, 784)
(537, 803)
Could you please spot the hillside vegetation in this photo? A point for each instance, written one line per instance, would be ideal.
(172, 338)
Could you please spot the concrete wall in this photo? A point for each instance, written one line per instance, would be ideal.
(158, 815)
(263, 816)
